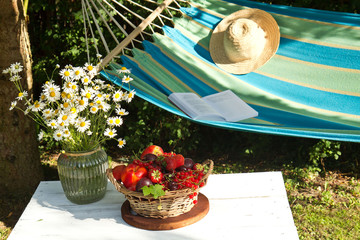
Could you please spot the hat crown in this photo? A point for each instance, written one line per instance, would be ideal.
(244, 40)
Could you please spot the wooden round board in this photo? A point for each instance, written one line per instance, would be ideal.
(198, 212)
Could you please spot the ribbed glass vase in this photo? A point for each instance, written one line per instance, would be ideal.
(83, 175)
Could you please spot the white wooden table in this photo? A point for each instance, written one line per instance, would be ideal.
(242, 206)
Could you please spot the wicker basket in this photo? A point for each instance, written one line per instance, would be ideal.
(172, 204)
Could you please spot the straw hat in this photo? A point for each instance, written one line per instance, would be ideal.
(244, 41)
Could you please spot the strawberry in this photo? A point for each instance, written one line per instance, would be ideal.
(155, 175)
(174, 161)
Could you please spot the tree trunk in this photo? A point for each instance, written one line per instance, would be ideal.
(20, 168)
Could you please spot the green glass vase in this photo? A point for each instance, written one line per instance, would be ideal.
(83, 175)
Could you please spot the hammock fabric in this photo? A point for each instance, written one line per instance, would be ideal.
(310, 88)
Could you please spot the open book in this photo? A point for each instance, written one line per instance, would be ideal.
(222, 106)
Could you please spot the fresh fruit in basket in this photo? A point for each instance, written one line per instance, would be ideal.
(161, 170)
(132, 174)
(169, 188)
(153, 149)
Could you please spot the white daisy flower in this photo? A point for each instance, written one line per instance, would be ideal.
(94, 109)
(13, 105)
(66, 132)
(99, 82)
(130, 96)
(118, 96)
(68, 86)
(118, 121)
(65, 119)
(15, 78)
(121, 111)
(86, 80)
(123, 70)
(88, 93)
(91, 69)
(89, 133)
(41, 135)
(121, 142)
(52, 92)
(52, 124)
(47, 113)
(66, 74)
(6, 71)
(111, 121)
(22, 95)
(37, 106)
(111, 133)
(126, 79)
(78, 73)
(58, 135)
(82, 103)
(82, 124)
(16, 68)
(105, 106)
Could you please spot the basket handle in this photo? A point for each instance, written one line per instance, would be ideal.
(117, 185)
(211, 167)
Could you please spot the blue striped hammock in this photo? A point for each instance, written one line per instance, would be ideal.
(310, 88)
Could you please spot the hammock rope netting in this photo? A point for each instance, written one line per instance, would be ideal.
(310, 88)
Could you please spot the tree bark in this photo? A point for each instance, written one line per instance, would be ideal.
(20, 167)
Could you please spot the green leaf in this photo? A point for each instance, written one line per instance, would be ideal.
(146, 190)
(155, 190)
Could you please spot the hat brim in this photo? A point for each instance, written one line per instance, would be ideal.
(272, 35)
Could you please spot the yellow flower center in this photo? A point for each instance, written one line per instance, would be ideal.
(73, 110)
(121, 142)
(117, 95)
(66, 104)
(53, 124)
(64, 117)
(98, 102)
(68, 95)
(82, 124)
(81, 102)
(77, 72)
(52, 94)
(68, 85)
(42, 97)
(67, 73)
(111, 133)
(88, 95)
(93, 109)
(130, 95)
(123, 68)
(73, 87)
(62, 124)
(90, 68)
(58, 134)
(86, 80)
(121, 113)
(111, 121)
(63, 94)
(21, 94)
(117, 121)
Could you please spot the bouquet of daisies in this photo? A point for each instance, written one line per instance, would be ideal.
(82, 112)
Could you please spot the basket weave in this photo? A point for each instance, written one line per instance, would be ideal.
(172, 204)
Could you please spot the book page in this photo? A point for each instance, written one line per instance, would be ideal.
(194, 106)
(230, 106)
